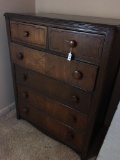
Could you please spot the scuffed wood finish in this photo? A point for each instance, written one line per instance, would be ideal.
(28, 33)
(53, 126)
(87, 45)
(69, 116)
(54, 89)
(56, 67)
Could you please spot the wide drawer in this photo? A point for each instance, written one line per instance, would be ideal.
(28, 33)
(55, 109)
(84, 45)
(53, 126)
(59, 91)
(78, 74)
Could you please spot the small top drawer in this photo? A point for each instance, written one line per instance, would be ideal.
(28, 33)
(84, 45)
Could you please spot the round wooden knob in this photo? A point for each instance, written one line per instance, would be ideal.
(24, 95)
(26, 34)
(72, 43)
(72, 119)
(74, 99)
(23, 77)
(77, 75)
(25, 110)
(19, 56)
(70, 136)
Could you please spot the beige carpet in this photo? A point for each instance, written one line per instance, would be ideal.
(19, 140)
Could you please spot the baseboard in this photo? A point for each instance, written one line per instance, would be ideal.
(7, 109)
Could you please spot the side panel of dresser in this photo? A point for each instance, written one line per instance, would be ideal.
(109, 64)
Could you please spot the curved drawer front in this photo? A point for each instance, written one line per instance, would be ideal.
(28, 33)
(78, 74)
(53, 126)
(59, 91)
(86, 45)
(55, 109)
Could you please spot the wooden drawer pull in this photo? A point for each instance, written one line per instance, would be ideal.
(26, 34)
(75, 99)
(70, 136)
(72, 43)
(72, 118)
(19, 56)
(77, 75)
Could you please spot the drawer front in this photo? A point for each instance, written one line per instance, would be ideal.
(78, 74)
(55, 109)
(53, 126)
(84, 45)
(59, 91)
(28, 33)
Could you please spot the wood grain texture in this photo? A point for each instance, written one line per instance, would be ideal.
(55, 109)
(56, 67)
(28, 33)
(87, 45)
(54, 89)
(54, 126)
(74, 22)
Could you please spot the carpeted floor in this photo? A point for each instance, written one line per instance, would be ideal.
(19, 140)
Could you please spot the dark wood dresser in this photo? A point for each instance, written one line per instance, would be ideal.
(64, 69)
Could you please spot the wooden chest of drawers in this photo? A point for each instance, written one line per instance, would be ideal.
(66, 99)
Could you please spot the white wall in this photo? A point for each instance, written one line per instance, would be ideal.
(6, 87)
(97, 8)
